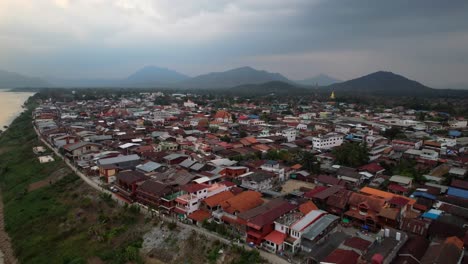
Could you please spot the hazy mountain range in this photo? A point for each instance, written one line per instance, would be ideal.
(319, 80)
(12, 80)
(241, 80)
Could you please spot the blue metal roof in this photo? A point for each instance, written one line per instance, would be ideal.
(425, 195)
(458, 192)
(454, 133)
(430, 216)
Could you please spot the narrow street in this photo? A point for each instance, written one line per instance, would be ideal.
(271, 258)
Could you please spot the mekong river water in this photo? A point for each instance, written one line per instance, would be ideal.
(10, 106)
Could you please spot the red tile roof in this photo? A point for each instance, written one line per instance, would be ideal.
(357, 243)
(276, 237)
(318, 189)
(195, 187)
(271, 215)
(341, 256)
(199, 215)
(371, 167)
(400, 201)
(459, 184)
(397, 188)
(306, 207)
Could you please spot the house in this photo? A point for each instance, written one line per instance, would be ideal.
(292, 225)
(350, 175)
(327, 141)
(290, 134)
(192, 196)
(400, 184)
(327, 180)
(214, 202)
(235, 205)
(175, 158)
(318, 231)
(364, 211)
(108, 167)
(412, 251)
(274, 167)
(63, 140)
(403, 145)
(128, 181)
(258, 181)
(149, 166)
(448, 252)
(341, 256)
(150, 192)
(260, 222)
(223, 116)
(75, 150)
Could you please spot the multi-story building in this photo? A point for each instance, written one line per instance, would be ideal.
(327, 141)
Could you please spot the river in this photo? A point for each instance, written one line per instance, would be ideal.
(10, 105)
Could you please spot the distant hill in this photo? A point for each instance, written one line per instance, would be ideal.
(153, 76)
(231, 78)
(320, 80)
(273, 87)
(16, 80)
(150, 76)
(382, 83)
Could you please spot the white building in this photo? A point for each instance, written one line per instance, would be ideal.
(289, 134)
(274, 167)
(327, 141)
(458, 123)
(190, 104)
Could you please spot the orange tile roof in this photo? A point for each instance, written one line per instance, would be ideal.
(455, 241)
(242, 202)
(251, 140)
(296, 167)
(306, 207)
(383, 194)
(216, 199)
(261, 147)
(222, 114)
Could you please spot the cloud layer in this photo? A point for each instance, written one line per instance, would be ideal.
(424, 39)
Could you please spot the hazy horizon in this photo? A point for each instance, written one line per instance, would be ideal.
(426, 41)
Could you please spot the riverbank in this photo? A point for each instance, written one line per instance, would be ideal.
(65, 221)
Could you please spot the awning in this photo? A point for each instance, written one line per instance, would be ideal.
(254, 234)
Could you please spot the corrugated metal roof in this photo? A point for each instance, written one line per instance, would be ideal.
(307, 220)
(118, 159)
(319, 226)
(457, 192)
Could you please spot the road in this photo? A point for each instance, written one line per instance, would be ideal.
(271, 258)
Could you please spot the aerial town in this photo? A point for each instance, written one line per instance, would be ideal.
(312, 182)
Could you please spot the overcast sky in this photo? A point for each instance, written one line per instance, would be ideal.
(426, 40)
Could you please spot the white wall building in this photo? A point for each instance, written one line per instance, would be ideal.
(327, 141)
(289, 134)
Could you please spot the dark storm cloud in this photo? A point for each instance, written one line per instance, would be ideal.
(423, 39)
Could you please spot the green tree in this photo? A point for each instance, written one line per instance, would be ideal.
(351, 154)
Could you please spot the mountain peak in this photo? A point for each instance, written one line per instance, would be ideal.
(382, 82)
(233, 77)
(152, 75)
(321, 80)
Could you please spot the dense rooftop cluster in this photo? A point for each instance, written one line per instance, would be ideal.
(295, 180)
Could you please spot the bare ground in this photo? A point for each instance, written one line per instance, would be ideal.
(8, 256)
(56, 176)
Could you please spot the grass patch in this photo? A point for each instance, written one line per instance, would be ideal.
(65, 222)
